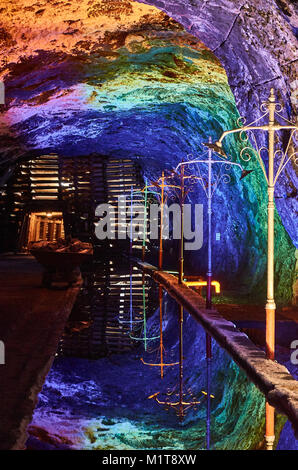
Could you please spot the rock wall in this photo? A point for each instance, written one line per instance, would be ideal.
(104, 404)
(256, 43)
(123, 78)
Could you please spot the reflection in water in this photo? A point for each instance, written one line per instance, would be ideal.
(183, 403)
(102, 404)
(161, 351)
(208, 369)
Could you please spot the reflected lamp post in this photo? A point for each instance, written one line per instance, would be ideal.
(158, 189)
(209, 186)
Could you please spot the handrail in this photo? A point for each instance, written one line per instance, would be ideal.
(271, 378)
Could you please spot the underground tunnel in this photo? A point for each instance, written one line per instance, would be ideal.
(101, 97)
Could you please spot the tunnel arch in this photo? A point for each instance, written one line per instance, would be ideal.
(40, 102)
(256, 43)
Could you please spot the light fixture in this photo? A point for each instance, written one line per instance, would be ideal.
(209, 186)
(217, 147)
(245, 173)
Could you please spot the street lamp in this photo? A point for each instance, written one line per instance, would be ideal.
(209, 188)
(145, 193)
(166, 185)
(272, 110)
(277, 161)
(160, 185)
(131, 321)
(181, 184)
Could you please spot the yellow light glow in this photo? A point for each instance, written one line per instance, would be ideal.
(216, 284)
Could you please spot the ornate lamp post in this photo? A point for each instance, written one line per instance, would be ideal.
(210, 185)
(277, 160)
(168, 183)
(160, 185)
(181, 190)
(181, 401)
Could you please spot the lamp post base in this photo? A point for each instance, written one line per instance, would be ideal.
(269, 442)
(269, 434)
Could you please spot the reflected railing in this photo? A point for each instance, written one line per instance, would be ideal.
(181, 398)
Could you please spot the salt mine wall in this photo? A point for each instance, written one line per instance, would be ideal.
(123, 78)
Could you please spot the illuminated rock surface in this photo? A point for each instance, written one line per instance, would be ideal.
(123, 79)
(103, 404)
(254, 40)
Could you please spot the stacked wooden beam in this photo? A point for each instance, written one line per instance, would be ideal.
(76, 186)
(109, 282)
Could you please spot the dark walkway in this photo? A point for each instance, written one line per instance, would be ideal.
(32, 320)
